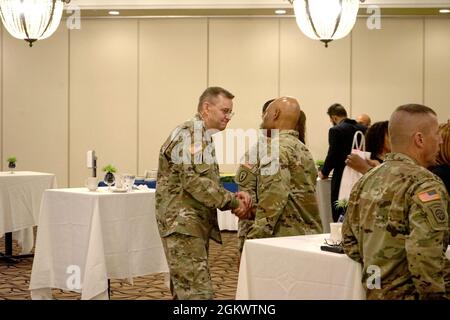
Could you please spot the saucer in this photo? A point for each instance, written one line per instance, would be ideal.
(119, 190)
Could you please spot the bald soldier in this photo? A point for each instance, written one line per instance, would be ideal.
(285, 178)
(364, 119)
(396, 223)
(188, 194)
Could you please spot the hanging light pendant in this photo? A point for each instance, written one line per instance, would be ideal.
(325, 20)
(31, 20)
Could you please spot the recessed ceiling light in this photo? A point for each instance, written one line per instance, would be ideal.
(114, 13)
(444, 11)
(280, 11)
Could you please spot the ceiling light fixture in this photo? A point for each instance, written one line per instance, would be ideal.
(444, 11)
(31, 20)
(114, 13)
(326, 20)
(280, 11)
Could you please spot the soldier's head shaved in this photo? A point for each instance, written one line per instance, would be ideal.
(413, 130)
(283, 113)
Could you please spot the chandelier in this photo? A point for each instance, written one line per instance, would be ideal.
(31, 20)
(325, 20)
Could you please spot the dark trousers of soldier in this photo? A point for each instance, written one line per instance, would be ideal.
(187, 257)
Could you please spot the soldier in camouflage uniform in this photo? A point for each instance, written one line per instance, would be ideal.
(189, 192)
(285, 178)
(396, 223)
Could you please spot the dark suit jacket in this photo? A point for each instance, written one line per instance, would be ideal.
(340, 138)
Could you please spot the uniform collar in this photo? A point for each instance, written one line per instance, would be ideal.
(289, 132)
(395, 156)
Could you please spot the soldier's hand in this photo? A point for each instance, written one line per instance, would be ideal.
(246, 198)
(241, 211)
(321, 176)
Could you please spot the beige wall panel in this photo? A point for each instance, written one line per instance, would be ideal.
(387, 66)
(103, 96)
(243, 58)
(35, 103)
(172, 75)
(317, 77)
(437, 67)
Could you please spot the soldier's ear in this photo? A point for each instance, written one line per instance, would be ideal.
(276, 114)
(419, 139)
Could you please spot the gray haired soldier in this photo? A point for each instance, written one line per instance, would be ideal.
(285, 178)
(188, 194)
(396, 223)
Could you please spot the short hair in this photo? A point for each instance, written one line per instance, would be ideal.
(337, 110)
(266, 105)
(213, 92)
(375, 138)
(443, 156)
(413, 108)
(397, 128)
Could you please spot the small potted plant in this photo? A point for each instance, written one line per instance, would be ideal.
(341, 204)
(319, 164)
(12, 163)
(109, 176)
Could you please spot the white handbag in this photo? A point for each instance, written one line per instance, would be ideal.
(350, 176)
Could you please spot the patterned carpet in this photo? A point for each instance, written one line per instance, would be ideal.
(14, 278)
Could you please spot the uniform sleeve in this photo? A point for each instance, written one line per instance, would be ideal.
(273, 195)
(246, 180)
(196, 177)
(427, 241)
(350, 226)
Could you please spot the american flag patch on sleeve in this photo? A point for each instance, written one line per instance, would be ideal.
(429, 195)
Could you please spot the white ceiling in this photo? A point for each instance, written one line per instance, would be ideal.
(217, 4)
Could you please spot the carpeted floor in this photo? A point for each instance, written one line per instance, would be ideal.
(14, 278)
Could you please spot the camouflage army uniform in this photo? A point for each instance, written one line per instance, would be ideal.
(397, 220)
(287, 204)
(188, 194)
(246, 180)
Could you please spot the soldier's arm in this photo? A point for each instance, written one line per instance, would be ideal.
(350, 224)
(272, 197)
(195, 178)
(246, 180)
(195, 181)
(428, 221)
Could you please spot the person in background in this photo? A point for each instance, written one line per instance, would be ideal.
(364, 119)
(396, 224)
(340, 139)
(377, 143)
(442, 167)
(188, 194)
(301, 127)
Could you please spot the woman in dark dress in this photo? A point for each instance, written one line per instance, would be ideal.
(442, 168)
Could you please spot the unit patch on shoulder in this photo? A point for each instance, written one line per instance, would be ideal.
(243, 175)
(429, 195)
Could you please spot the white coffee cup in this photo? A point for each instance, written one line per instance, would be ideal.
(128, 181)
(91, 183)
(336, 232)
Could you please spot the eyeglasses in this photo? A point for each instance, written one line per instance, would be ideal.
(228, 113)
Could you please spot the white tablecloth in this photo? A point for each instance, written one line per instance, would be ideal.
(294, 268)
(20, 201)
(104, 235)
(323, 194)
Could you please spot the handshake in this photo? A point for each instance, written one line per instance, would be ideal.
(245, 209)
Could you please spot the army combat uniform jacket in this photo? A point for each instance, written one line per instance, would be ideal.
(396, 226)
(188, 190)
(285, 190)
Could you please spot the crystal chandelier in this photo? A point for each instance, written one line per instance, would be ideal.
(325, 20)
(31, 20)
